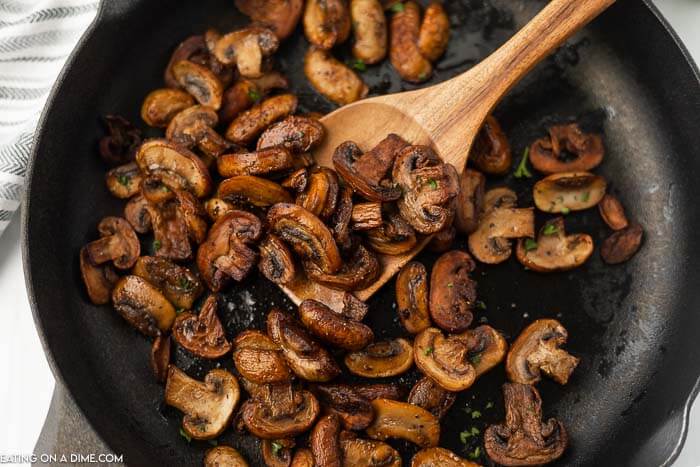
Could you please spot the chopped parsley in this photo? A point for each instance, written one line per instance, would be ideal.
(184, 434)
(522, 171)
(186, 284)
(423, 75)
(179, 310)
(530, 244)
(358, 64)
(489, 405)
(450, 285)
(565, 210)
(428, 351)
(586, 196)
(476, 414)
(480, 305)
(124, 180)
(276, 448)
(433, 183)
(156, 245)
(476, 453)
(550, 229)
(254, 95)
(397, 7)
(475, 359)
(465, 435)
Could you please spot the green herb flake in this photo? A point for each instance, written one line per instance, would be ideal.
(185, 284)
(522, 171)
(358, 64)
(276, 448)
(213, 442)
(586, 196)
(476, 453)
(184, 434)
(476, 414)
(464, 436)
(428, 351)
(124, 180)
(254, 95)
(398, 7)
(179, 310)
(475, 359)
(550, 229)
(433, 183)
(489, 405)
(480, 305)
(156, 245)
(565, 210)
(530, 244)
(450, 285)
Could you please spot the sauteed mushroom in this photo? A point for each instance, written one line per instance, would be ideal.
(569, 191)
(160, 106)
(366, 216)
(303, 458)
(281, 16)
(253, 190)
(326, 23)
(369, 453)
(261, 162)
(246, 48)
(334, 328)
(452, 291)
(355, 411)
(247, 92)
(429, 188)
(170, 230)
(276, 261)
(136, 213)
(524, 439)
(412, 297)
(143, 306)
(196, 49)
(405, 55)
(537, 349)
(405, 421)
(358, 273)
(297, 180)
(439, 457)
(120, 145)
(612, 212)
(202, 334)
(226, 252)
(160, 357)
(217, 207)
(207, 405)
(339, 222)
(370, 31)
(284, 413)
(353, 307)
(124, 181)
(258, 359)
(552, 154)
(381, 359)
(379, 391)
(554, 250)
(277, 453)
(394, 237)
(179, 285)
(118, 244)
(491, 151)
(321, 193)
(470, 201)
(224, 456)
(443, 240)
(99, 280)
(427, 394)
(622, 245)
(249, 124)
(332, 78)
(325, 442)
(304, 356)
(294, 133)
(434, 32)
(491, 242)
(195, 126)
(200, 82)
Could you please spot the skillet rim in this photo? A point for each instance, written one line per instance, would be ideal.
(92, 419)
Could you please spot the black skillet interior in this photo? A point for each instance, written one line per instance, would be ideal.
(632, 325)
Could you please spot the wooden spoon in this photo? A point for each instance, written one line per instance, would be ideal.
(446, 116)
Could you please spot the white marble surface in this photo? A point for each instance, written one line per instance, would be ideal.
(26, 383)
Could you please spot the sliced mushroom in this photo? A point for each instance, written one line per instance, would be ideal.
(160, 357)
(297, 180)
(412, 297)
(281, 16)
(224, 456)
(405, 55)
(246, 48)
(370, 31)
(429, 188)
(406, 421)
(369, 453)
(249, 124)
(156, 190)
(537, 350)
(226, 253)
(136, 213)
(439, 457)
(334, 328)
(202, 334)
(339, 222)
(120, 144)
(359, 272)
(175, 164)
(197, 49)
(194, 215)
(277, 453)
(567, 149)
(444, 359)
(381, 359)
(501, 197)
(524, 439)
(452, 291)
(207, 405)
(330, 77)
(491, 242)
(434, 32)
(262, 162)
(258, 359)
(285, 413)
(304, 356)
(256, 191)
(247, 92)
(470, 201)
(491, 152)
(161, 105)
(306, 234)
(294, 133)
(99, 280)
(194, 126)
(326, 23)
(622, 245)
(366, 216)
(325, 442)
(354, 410)
(143, 306)
(443, 240)
(569, 191)
(217, 207)
(179, 285)
(124, 181)
(321, 193)
(170, 230)
(612, 212)
(303, 458)
(368, 173)
(554, 250)
(276, 261)
(200, 82)
(118, 244)
(429, 395)
(394, 237)
(379, 391)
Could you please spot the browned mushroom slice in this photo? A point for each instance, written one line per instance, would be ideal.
(307, 235)
(136, 213)
(339, 222)
(224, 456)
(200, 82)
(491, 152)
(170, 231)
(443, 240)
(524, 439)
(612, 212)
(195, 126)
(444, 359)
(217, 207)
(325, 442)
(321, 193)
(536, 350)
(452, 291)
(334, 328)
(434, 32)
(249, 124)
(142, 305)
(381, 359)
(247, 92)
(470, 201)
(276, 261)
(429, 188)
(202, 334)
(554, 250)
(294, 133)
(440, 457)
(287, 412)
(277, 453)
(567, 149)
(303, 458)
(366, 216)
(333, 79)
(368, 173)
(568, 191)
(281, 16)
(622, 245)
(354, 410)
(207, 405)
(491, 242)
(246, 48)
(258, 359)
(353, 307)
(358, 273)
(379, 391)
(370, 31)
(196, 49)
(501, 197)
(326, 22)
(297, 180)
(427, 394)
(179, 285)
(304, 356)
(369, 453)
(161, 105)
(406, 421)
(180, 167)
(124, 181)
(405, 55)
(99, 280)
(156, 190)
(120, 144)
(194, 215)
(412, 297)
(160, 357)
(248, 189)
(394, 237)
(261, 162)
(487, 348)
(118, 243)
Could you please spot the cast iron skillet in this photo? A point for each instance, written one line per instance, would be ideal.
(634, 326)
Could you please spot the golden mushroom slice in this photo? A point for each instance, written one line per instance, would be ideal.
(326, 22)
(325, 441)
(370, 31)
(281, 16)
(470, 201)
(258, 359)
(266, 161)
(359, 271)
(207, 405)
(439, 457)
(412, 297)
(537, 350)
(194, 126)
(394, 237)
(434, 32)
(277, 453)
(124, 181)
(405, 55)
(332, 78)
(406, 421)
(247, 92)
(246, 48)
(252, 190)
(281, 412)
(333, 327)
(554, 250)
(249, 124)
(161, 105)
(200, 82)
(179, 285)
(224, 456)
(118, 244)
(202, 334)
(99, 279)
(622, 245)
(303, 458)
(429, 395)
(359, 452)
(569, 191)
(295, 133)
(276, 261)
(452, 291)
(381, 359)
(143, 306)
(491, 242)
(354, 409)
(612, 212)
(491, 152)
(553, 153)
(320, 195)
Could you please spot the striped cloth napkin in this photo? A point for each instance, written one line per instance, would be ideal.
(36, 37)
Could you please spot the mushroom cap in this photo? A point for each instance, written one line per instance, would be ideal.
(207, 405)
(249, 124)
(444, 359)
(258, 359)
(333, 327)
(406, 421)
(491, 152)
(303, 457)
(276, 261)
(143, 305)
(261, 422)
(326, 23)
(429, 395)
(412, 297)
(261, 162)
(99, 280)
(490, 243)
(220, 456)
(354, 410)
(160, 357)
(487, 348)
(404, 53)
(370, 32)
(434, 32)
(277, 453)
(188, 126)
(252, 190)
(281, 16)
(555, 250)
(358, 273)
(200, 82)
(124, 181)
(325, 441)
(452, 291)
(295, 133)
(161, 105)
(545, 153)
(175, 163)
(568, 191)
(439, 457)
(179, 285)
(366, 453)
(622, 245)
(202, 334)
(470, 200)
(136, 213)
(118, 243)
(612, 212)
(381, 359)
(394, 237)
(320, 195)
(246, 48)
